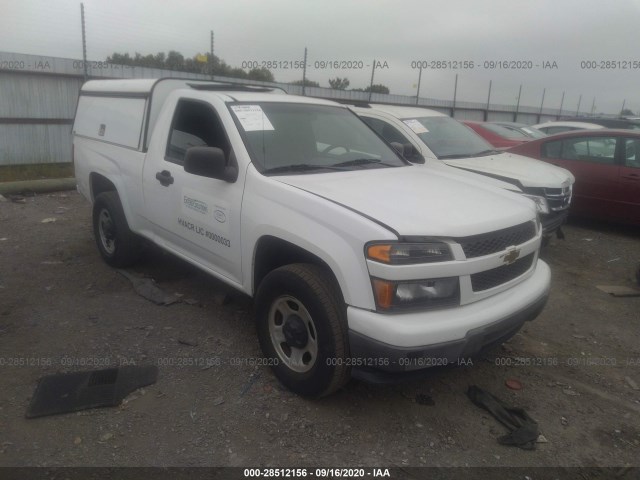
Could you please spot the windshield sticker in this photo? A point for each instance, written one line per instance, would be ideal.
(252, 118)
(415, 125)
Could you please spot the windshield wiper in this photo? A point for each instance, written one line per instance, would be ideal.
(467, 155)
(486, 152)
(299, 167)
(361, 161)
(305, 167)
(457, 155)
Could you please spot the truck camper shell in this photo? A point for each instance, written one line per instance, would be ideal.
(124, 112)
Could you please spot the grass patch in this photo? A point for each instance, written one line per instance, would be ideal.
(15, 173)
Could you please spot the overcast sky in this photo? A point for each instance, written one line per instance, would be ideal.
(567, 32)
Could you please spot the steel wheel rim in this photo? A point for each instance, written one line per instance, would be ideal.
(285, 309)
(106, 232)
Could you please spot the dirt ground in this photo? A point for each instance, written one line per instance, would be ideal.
(63, 309)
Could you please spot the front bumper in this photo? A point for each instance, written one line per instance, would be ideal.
(456, 334)
(553, 221)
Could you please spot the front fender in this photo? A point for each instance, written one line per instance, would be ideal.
(327, 230)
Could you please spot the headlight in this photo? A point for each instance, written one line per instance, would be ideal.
(437, 292)
(541, 203)
(409, 253)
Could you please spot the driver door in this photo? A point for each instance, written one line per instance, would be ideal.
(194, 216)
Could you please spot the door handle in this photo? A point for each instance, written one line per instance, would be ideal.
(632, 176)
(164, 177)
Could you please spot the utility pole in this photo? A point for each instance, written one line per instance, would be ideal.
(593, 105)
(561, 102)
(373, 71)
(304, 72)
(84, 44)
(622, 109)
(455, 94)
(544, 90)
(515, 115)
(211, 58)
(419, 80)
(486, 111)
(578, 109)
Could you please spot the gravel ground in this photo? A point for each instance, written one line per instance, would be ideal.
(63, 309)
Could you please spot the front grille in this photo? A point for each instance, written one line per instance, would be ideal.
(492, 242)
(497, 276)
(558, 198)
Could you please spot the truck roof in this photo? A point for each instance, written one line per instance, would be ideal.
(406, 112)
(149, 95)
(158, 89)
(147, 85)
(124, 86)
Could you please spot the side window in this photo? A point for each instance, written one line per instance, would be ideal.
(392, 134)
(554, 130)
(195, 124)
(386, 131)
(590, 149)
(552, 149)
(374, 123)
(632, 152)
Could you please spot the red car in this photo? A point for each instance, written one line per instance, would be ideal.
(497, 135)
(606, 164)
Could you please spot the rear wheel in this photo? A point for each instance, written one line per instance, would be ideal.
(117, 244)
(302, 328)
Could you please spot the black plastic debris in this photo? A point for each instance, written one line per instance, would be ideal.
(523, 430)
(146, 287)
(70, 392)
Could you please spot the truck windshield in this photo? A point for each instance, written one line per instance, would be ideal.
(297, 138)
(448, 138)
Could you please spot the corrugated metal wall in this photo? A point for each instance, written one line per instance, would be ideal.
(34, 144)
(38, 97)
(36, 113)
(475, 115)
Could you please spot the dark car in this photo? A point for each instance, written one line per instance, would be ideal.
(497, 135)
(606, 164)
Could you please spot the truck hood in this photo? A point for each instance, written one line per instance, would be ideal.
(467, 174)
(419, 201)
(528, 171)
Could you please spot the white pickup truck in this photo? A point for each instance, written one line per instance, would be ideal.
(359, 262)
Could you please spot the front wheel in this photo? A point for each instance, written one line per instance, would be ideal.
(302, 329)
(118, 245)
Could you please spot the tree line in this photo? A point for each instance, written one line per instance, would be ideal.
(201, 63)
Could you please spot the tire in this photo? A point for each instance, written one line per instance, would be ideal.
(302, 329)
(117, 244)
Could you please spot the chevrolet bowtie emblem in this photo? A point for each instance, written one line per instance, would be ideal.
(511, 256)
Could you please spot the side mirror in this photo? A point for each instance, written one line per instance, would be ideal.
(408, 151)
(209, 162)
(398, 147)
(412, 154)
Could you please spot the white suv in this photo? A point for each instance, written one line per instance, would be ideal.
(433, 136)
